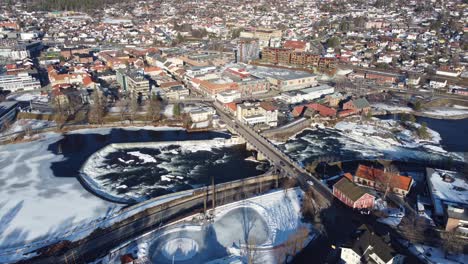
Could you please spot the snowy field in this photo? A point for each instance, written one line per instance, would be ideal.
(35, 205)
(33, 96)
(267, 221)
(446, 111)
(430, 254)
(392, 108)
(24, 124)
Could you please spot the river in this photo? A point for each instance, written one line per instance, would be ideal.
(331, 144)
(172, 168)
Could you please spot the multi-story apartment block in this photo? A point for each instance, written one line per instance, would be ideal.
(21, 81)
(133, 82)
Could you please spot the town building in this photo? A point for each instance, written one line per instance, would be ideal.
(177, 92)
(382, 181)
(264, 35)
(284, 79)
(257, 113)
(368, 247)
(8, 112)
(20, 82)
(360, 105)
(247, 50)
(352, 195)
(202, 114)
(307, 94)
(456, 219)
(448, 191)
(228, 96)
(133, 81)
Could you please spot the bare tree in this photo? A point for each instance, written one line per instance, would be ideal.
(288, 183)
(6, 125)
(133, 108)
(309, 206)
(98, 108)
(250, 250)
(390, 180)
(59, 105)
(27, 128)
(450, 243)
(154, 109)
(123, 106)
(296, 241)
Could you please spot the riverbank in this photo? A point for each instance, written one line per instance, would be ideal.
(449, 113)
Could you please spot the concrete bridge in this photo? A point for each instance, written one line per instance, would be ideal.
(268, 151)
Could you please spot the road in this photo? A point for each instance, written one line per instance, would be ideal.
(278, 159)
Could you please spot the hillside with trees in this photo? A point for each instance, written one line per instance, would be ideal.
(65, 5)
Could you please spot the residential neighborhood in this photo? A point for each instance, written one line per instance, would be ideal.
(336, 128)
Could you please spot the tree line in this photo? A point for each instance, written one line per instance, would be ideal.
(67, 5)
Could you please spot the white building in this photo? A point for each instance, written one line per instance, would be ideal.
(450, 72)
(202, 114)
(257, 113)
(228, 96)
(22, 81)
(369, 248)
(438, 84)
(307, 94)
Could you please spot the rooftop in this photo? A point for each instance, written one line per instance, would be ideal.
(279, 74)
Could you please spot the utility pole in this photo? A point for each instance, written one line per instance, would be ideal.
(214, 192)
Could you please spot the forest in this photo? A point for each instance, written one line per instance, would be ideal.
(64, 5)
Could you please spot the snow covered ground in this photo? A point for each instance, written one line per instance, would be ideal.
(35, 205)
(22, 124)
(392, 108)
(386, 135)
(353, 139)
(268, 221)
(455, 192)
(33, 96)
(37, 208)
(435, 255)
(446, 111)
(169, 111)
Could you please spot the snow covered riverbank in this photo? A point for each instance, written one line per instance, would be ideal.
(354, 139)
(268, 221)
(35, 205)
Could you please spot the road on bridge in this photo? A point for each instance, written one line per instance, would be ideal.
(278, 159)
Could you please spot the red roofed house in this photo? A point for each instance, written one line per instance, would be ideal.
(352, 195)
(231, 107)
(381, 180)
(298, 110)
(323, 110)
(296, 45)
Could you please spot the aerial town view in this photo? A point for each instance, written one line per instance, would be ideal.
(228, 132)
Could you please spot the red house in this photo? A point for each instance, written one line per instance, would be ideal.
(380, 180)
(323, 110)
(352, 195)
